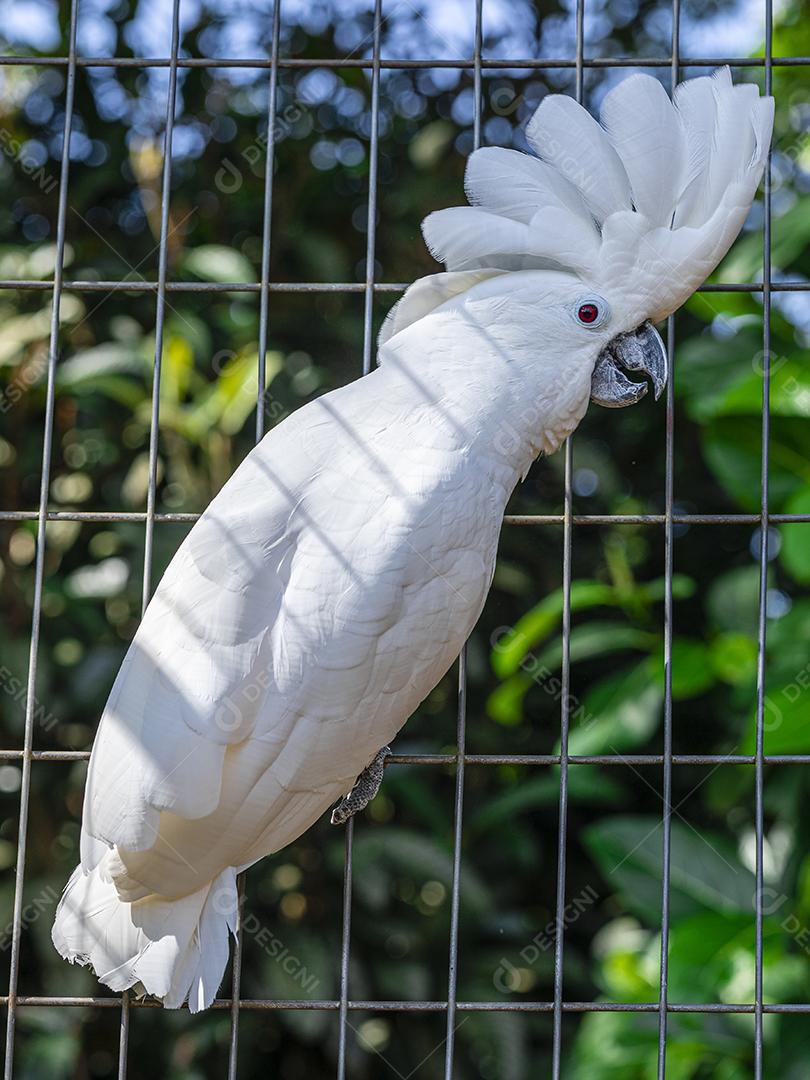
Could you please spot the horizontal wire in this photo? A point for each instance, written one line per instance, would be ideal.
(330, 1005)
(463, 64)
(510, 519)
(86, 285)
(503, 759)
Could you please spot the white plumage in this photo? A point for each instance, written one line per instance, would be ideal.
(333, 580)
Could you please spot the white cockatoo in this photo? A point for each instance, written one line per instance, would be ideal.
(333, 580)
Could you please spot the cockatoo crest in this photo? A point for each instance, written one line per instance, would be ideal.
(649, 200)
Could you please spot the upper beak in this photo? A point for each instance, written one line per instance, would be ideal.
(639, 350)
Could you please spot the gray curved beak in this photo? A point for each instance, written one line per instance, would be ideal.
(639, 350)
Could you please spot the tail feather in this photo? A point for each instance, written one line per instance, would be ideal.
(176, 950)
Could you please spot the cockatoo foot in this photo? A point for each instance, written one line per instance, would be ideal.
(365, 788)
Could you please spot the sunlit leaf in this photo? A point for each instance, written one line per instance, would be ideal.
(215, 262)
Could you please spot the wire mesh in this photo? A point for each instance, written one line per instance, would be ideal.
(344, 1004)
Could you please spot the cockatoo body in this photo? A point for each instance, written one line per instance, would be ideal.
(333, 580)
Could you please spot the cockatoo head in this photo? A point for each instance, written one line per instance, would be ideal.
(614, 223)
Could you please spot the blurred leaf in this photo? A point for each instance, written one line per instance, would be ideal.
(106, 578)
(620, 713)
(386, 852)
(795, 551)
(788, 643)
(88, 365)
(514, 643)
(229, 401)
(705, 870)
(431, 143)
(790, 390)
(178, 363)
(683, 587)
(733, 450)
(707, 369)
(785, 718)
(704, 949)
(21, 330)
(132, 395)
(594, 639)
(32, 262)
(505, 703)
(583, 784)
(733, 600)
(692, 673)
(542, 619)
(734, 657)
(214, 262)
(135, 484)
(790, 234)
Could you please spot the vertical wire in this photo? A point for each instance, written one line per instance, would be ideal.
(160, 314)
(666, 853)
(236, 979)
(461, 715)
(123, 1035)
(269, 163)
(373, 154)
(368, 312)
(264, 299)
(39, 569)
(345, 937)
(565, 673)
(160, 309)
(764, 526)
(452, 968)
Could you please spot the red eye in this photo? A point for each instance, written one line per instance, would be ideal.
(588, 313)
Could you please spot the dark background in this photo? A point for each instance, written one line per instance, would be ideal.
(403, 844)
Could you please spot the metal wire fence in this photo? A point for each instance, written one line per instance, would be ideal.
(345, 1004)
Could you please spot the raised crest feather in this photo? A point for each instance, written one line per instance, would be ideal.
(653, 163)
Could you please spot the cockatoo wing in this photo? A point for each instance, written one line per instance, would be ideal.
(317, 601)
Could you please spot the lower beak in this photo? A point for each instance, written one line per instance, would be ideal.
(639, 350)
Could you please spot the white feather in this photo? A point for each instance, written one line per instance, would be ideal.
(723, 133)
(696, 104)
(647, 134)
(468, 237)
(565, 135)
(516, 185)
(425, 295)
(462, 234)
(176, 950)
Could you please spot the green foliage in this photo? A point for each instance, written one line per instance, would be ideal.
(403, 846)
